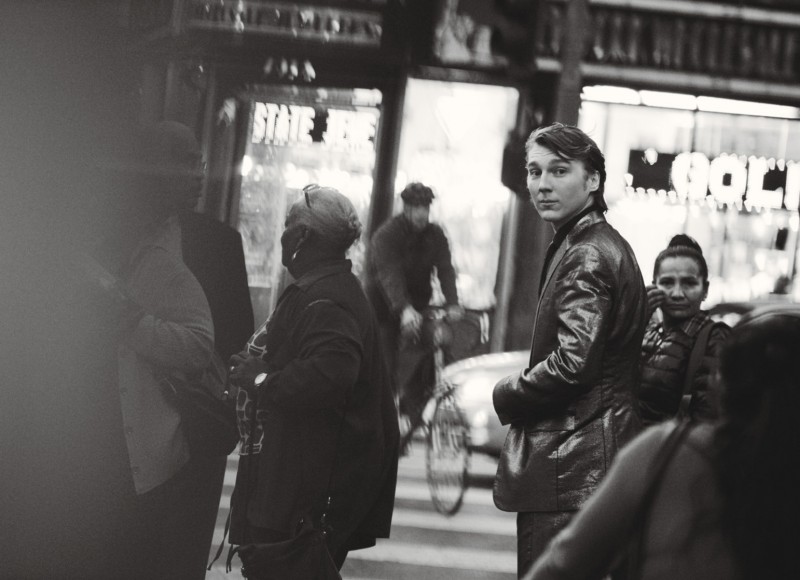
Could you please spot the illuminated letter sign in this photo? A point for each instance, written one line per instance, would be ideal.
(350, 129)
(282, 124)
(729, 178)
(345, 129)
(689, 175)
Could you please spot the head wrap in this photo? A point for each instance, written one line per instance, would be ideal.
(330, 215)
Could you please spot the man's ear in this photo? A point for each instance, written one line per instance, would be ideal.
(594, 181)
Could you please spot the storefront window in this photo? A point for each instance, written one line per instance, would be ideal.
(452, 140)
(297, 136)
(693, 165)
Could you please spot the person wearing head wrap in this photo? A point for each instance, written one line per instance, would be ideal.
(680, 284)
(403, 254)
(315, 406)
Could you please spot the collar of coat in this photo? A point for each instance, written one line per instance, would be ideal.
(323, 270)
(591, 217)
(594, 216)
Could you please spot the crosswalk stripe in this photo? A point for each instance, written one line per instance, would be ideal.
(419, 490)
(439, 556)
(460, 523)
(408, 490)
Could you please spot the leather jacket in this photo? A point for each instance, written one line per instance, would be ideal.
(574, 407)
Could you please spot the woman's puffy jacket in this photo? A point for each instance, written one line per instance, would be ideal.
(664, 362)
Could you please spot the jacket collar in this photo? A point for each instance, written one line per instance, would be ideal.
(591, 218)
(323, 270)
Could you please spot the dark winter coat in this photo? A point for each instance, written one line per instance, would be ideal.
(574, 407)
(665, 358)
(323, 362)
(399, 267)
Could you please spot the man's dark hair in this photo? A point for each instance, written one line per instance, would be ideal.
(416, 193)
(572, 144)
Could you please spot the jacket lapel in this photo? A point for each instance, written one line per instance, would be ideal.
(584, 223)
(551, 268)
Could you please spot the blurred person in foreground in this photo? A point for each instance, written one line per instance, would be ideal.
(166, 330)
(90, 452)
(403, 254)
(680, 284)
(726, 505)
(574, 407)
(214, 254)
(154, 321)
(314, 400)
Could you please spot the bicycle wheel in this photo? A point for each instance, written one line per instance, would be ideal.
(447, 456)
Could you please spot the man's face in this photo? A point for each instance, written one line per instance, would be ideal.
(559, 188)
(181, 180)
(176, 172)
(417, 215)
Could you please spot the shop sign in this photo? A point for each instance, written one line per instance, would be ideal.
(727, 179)
(285, 125)
(284, 20)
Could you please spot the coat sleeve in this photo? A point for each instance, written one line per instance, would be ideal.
(583, 300)
(445, 270)
(594, 540)
(387, 257)
(176, 331)
(327, 365)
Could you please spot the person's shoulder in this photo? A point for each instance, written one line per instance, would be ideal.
(339, 291)
(717, 336)
(607, 242)
(647, 443)
(390, 228)
(720, 329)
(600, 230)
(587, 247)
(436, 229)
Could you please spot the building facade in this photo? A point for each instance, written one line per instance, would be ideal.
(366, 95)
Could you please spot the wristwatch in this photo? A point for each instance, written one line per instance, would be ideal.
(260, 378)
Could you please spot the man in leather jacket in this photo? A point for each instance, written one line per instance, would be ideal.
(574, 407)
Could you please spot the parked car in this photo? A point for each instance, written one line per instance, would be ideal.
(731, 312)
(474, 379)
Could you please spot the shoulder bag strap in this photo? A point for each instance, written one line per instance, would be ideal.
(695, 360)
(654, 477)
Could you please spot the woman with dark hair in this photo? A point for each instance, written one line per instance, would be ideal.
(680, 284)
(725, 505)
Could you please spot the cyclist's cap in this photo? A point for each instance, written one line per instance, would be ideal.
(416, 193)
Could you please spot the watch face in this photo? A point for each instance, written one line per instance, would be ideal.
(260, 378)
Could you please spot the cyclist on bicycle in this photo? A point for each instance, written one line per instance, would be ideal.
(402, 256)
